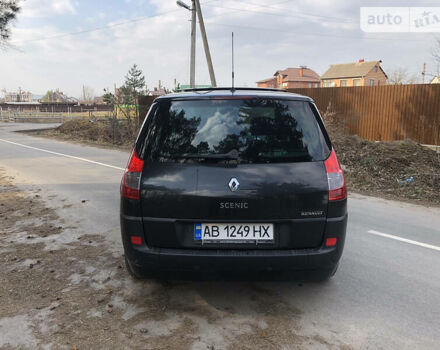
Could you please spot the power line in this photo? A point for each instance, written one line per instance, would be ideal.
(297, 13)
(139, 19)
(92, 29)
(218, 24)
(239, 10)
(286, 15)
(296, 33)
(338, 19)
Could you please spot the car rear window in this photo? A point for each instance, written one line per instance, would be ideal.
(255, 130)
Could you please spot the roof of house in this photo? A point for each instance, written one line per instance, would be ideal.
(435, 80)
(293, 74)
(266, 80)
(349, 70)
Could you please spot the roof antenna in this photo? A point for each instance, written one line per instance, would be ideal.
(232, 88)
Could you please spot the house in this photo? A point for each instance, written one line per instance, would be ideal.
(19, 96)
(268, 83)
(160, 91)
(98, 100)
(291, 78)
(57, 96)
(360, 73)
(435, 80)
(157, 91)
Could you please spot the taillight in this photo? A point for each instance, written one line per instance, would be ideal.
(331, 242)
(335, 177)
(131, 181)
(136, 240)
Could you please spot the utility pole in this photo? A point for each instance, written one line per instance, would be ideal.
(205, 43)
(192, 73)
(423, 73)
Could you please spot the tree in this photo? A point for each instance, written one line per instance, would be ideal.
(8, 12)
(109, 98)
(400, 76)
(49, 97)
(88, 94)
(126, 98)
(134, 85)
(135, 80)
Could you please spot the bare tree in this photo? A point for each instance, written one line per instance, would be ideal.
(400, 76)
(88, 94)
(8, 12)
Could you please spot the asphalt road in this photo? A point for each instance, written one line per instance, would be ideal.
(386, 294)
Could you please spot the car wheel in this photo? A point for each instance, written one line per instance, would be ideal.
(327, 276)
(323, 275)
(334, 270)
(137, 272)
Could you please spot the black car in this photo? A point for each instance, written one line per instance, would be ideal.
(233, 180)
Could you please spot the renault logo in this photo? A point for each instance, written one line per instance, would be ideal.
(233, 184)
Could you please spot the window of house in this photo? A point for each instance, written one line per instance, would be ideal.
(376, 69)
(371, 82)
(284, 84)
(316, 85)
(310, 85)
(329, 83)
(356, 82)
(343, 82)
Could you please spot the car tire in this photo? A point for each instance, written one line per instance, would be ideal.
(323, 276)
(334, 270)
(136, 272)
(329, 274)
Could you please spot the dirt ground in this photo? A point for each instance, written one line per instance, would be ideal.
(400, 170)
(60, 289)
(110, 133)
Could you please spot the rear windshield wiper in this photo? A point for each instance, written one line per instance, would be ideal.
(233, 154)
(293, 157)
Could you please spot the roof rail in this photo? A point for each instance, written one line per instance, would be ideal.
(233, 89)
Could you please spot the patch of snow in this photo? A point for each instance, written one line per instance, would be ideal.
(16, 332)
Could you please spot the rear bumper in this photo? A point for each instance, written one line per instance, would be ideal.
(164, 259)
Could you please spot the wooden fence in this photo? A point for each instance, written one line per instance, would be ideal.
(55, 107)
(384, 113)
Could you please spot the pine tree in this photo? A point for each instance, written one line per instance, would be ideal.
(135, 79)
(133, 87)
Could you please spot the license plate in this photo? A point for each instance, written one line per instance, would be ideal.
(236, 233)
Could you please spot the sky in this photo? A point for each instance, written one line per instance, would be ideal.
(65, 44)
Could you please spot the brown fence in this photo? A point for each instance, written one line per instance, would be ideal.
(384, 113)
(55, 107)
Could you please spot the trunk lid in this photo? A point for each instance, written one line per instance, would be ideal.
(293, 197)
(265, 192)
